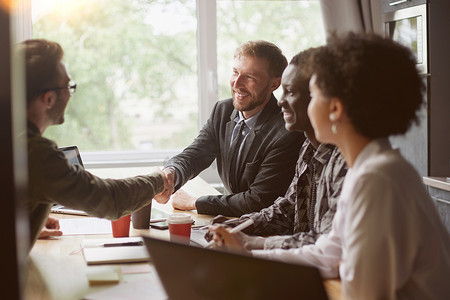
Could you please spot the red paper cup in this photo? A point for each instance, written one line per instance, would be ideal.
(180, 227)
(121, 227)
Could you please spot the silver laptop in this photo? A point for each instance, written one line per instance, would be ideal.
(189, 272)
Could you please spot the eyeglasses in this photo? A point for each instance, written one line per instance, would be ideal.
(72, 86)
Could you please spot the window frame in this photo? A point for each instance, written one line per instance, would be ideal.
(208, 92)
(207, 86)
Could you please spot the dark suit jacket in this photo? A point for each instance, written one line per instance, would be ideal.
(267, 160)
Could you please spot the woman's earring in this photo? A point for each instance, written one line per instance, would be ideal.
(334, 128)
(332, 117)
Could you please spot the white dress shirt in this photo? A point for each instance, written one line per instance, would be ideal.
(387, 240)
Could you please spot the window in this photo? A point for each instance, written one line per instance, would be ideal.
(135, 65)
(140, 65)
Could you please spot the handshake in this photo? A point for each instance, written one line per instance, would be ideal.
(169, 178)
(181, 200)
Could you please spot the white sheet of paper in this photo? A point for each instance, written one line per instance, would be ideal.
(85, 226)
(198, 237)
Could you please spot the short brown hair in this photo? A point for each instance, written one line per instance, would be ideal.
(263, 49)
(42, 59)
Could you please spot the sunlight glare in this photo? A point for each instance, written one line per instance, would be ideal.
(61, 7)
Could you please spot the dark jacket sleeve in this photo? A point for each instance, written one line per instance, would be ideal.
(198, 156)
(274, 174)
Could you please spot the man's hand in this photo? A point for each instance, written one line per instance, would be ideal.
(224, 238)
(183, 201)
(235, 241)
(219, 219)
(50, 229)
(169, 179)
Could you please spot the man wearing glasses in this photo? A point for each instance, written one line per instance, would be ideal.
(51, 179)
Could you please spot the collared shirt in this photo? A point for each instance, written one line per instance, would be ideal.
(387, 240)
(250, 122)
(289, 216)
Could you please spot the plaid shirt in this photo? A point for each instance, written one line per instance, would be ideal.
(288, 220)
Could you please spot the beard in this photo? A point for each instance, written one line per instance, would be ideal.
(56, 113)
(252, 101)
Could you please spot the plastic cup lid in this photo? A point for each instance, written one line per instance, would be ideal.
(179, 218)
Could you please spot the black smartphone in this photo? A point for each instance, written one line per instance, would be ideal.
(157, 214)
(160, 225)
(163, 225)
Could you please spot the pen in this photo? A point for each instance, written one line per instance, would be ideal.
(234, 230)
(139, 243)
(225, 222)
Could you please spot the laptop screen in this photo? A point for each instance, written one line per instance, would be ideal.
(72, 155)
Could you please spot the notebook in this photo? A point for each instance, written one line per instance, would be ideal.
(188, 272)
(95, 253)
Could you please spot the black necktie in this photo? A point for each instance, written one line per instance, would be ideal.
(236, 141)
(236, 137)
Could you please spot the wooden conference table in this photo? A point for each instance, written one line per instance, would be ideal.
(57, 269)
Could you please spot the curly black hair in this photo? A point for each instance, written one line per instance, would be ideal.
(376, 79)
(303, 60)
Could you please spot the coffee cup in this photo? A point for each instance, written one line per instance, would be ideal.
(180, 227)
(141, 217)
(121, 226)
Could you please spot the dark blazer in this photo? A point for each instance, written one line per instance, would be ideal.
(267, 160)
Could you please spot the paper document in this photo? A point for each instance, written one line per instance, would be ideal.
(99, 251)
(85, 226)
(198, 237)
